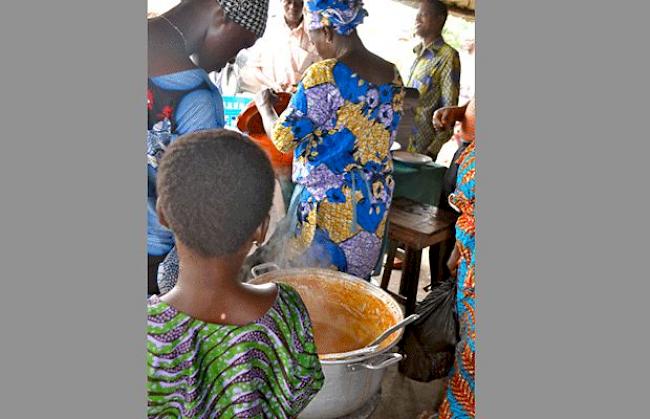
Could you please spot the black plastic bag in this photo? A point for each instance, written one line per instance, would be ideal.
(429, 342)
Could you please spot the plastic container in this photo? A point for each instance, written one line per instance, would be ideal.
(250, 123)
(233, 106)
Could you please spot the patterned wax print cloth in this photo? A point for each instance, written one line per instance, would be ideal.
(341, 15)
(459, 402)
(265, 369)
(436, 75)
(340, 127)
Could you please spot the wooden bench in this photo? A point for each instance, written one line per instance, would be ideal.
(414, 226)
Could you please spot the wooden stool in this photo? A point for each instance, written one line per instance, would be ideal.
(415, 226)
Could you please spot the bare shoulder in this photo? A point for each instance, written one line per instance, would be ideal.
(384, 70)
(372, 67)
(250, 303)
(385, 66)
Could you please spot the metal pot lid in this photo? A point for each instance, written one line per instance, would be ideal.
(415, 159)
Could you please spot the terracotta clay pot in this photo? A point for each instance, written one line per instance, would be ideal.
(250, 123)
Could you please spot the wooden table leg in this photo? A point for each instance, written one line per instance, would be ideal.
(388, 268)
(410, 278)
(435, 253)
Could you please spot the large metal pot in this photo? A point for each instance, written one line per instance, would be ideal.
(366, 311)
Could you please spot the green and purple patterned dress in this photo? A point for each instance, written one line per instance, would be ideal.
(266, 369)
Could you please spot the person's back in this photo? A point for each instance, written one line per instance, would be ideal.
(218, 347)
(343, 171)
(230, 370)
(340, 125)
(370, 67)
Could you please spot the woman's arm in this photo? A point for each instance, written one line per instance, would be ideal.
(311, 106)
(264, 101)
(452, 263)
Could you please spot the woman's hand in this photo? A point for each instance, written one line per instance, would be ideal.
(265, 99)
(445, 118)
(452, 263)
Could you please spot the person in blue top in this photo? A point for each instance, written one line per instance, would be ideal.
(185, 44)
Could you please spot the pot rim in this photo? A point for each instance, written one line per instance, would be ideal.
(370, 287)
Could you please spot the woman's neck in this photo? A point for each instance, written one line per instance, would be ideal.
(349, 45)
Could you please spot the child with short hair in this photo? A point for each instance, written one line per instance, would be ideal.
(217, 347)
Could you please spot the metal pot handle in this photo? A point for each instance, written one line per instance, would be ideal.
(378, 363)
(410, 319)
(269, 266)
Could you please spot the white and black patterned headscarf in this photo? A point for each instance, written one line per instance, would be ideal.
(249, 14)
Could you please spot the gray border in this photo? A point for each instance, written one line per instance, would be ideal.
(562, 230)
(73, 209)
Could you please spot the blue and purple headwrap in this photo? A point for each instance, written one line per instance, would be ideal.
(341, 15)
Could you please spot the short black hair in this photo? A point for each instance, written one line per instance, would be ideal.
(439, 7)
(215, 189)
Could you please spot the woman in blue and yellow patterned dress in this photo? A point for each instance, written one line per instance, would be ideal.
(340, 123)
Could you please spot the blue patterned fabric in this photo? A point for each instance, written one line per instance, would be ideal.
(341, 15)
(459, 402)
(340, 128)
